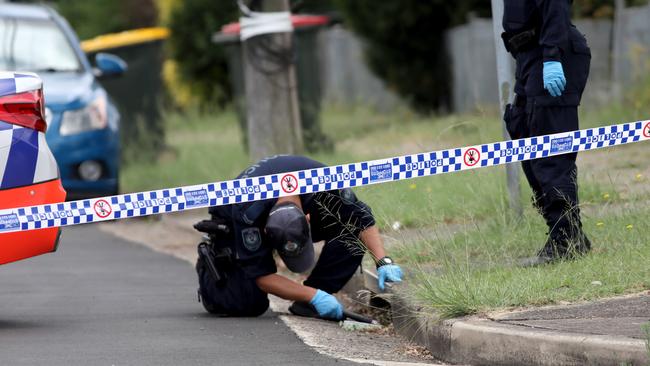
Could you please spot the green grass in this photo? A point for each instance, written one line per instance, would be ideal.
(476, 270)
(201, 148)
(458, 239)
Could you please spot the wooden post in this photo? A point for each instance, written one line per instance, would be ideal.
(272, 112)
(505, 76)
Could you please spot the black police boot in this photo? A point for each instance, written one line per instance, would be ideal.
(550, 253)
(566, 240)
(560, 246)
(303, 309)
(581, 246)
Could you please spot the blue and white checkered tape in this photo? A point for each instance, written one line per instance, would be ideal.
(320, 179)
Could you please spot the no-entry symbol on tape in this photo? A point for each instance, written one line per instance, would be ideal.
(102, 208)
(289, 183)
(471, 157)
(646, 130)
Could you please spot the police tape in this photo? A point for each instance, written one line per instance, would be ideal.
(318, 180)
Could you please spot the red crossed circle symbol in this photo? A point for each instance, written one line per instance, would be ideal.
(646, 130)
(102, 208)
(472, 157)
(289, 183)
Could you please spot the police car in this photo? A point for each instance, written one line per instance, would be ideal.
(28, 171)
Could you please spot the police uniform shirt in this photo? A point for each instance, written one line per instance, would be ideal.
(554, 38)
(334, 215)
(551, 19)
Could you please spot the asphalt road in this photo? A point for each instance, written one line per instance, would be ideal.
(102, 301)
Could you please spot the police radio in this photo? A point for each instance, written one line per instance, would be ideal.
(217, 256)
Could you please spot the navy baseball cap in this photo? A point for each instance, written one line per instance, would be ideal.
(288, 231)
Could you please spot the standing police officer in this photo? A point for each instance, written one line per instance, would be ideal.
(244, 237)
(552, 69)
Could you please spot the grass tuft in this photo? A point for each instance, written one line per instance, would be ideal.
(476, 270)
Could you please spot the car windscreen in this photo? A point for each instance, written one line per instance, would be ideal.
(35, 45)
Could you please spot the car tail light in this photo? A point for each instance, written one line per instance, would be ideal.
(24, 109)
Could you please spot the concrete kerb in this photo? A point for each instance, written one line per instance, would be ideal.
(478, 341)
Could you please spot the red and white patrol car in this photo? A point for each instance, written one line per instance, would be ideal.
(28, 172)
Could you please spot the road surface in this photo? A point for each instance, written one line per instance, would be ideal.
(103, 301)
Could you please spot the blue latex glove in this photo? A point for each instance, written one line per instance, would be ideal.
(554, 80)
(390, 273)
(327, 306)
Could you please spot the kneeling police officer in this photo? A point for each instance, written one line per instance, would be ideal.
(237, 270)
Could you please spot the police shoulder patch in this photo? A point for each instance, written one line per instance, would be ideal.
(251, 238)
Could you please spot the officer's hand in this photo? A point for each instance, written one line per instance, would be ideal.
(390, 273)
(554, 80)
(327, 306)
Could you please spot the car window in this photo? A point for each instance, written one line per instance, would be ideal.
(35, 45)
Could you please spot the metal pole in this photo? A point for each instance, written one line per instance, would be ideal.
(505, 76)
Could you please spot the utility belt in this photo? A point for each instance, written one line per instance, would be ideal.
(522, 41)
(215, 251)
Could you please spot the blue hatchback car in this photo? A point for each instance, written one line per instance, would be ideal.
(83, 123)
